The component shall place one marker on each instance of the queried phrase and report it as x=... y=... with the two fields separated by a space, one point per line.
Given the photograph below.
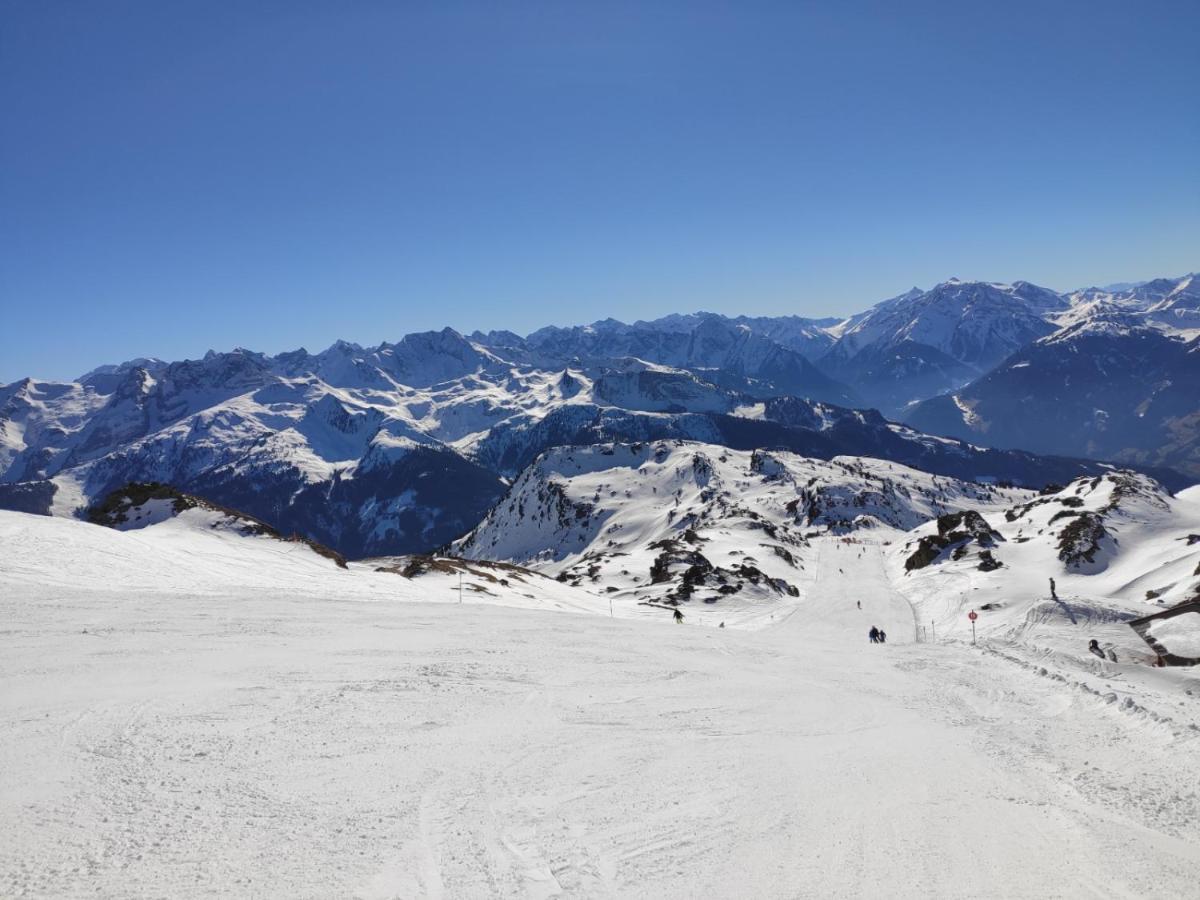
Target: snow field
x=267 y=745
x=187 y=736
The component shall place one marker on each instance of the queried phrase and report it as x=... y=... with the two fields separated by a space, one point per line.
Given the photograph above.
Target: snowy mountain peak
x=149 y=363
x=1082 y=524
x=915 y=346
x=426 y=358
x=340 y=348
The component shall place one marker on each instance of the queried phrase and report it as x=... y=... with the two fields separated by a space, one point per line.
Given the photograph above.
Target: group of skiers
x=877 y=635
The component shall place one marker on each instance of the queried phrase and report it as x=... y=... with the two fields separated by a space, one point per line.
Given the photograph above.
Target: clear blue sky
x=176 y=176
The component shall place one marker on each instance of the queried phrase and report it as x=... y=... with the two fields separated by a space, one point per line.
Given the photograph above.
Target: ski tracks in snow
x=274 y=746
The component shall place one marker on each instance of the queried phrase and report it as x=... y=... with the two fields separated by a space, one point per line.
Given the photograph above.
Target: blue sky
x=178 y=176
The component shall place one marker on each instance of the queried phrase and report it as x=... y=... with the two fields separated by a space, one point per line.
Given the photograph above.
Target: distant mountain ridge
x=404 y=446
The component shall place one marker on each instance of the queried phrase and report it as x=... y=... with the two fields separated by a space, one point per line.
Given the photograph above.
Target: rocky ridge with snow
x=674 y=522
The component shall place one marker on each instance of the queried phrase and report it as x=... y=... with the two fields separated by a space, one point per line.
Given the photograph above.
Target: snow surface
x=188 y=711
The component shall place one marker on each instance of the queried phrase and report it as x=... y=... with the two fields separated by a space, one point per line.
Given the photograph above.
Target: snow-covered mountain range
x=924 y=342
x=404 y=446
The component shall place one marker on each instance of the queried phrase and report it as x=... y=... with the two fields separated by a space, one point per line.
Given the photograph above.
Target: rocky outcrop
x=1081 y=542
x=956 y=532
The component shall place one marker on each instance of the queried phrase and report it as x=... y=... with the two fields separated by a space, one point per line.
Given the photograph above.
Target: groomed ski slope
x=275 y=742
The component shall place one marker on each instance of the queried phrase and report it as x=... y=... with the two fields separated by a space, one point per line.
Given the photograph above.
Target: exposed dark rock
x=1080 y=541
x=987 y=562
x=971 y=523
x=660 y=570
x=956 y=532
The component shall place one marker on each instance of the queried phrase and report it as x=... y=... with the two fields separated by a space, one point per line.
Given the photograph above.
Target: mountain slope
x=1107 y=387
x=1117 y=547
x=673 y=522
x=357 y=467
x=169 y=699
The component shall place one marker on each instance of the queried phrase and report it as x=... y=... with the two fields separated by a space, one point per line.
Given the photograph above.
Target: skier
x=860 y=604
x=679 y=617
x=882 y=636
x=873 y=634
x=1094 y=647
x=1053 y=593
